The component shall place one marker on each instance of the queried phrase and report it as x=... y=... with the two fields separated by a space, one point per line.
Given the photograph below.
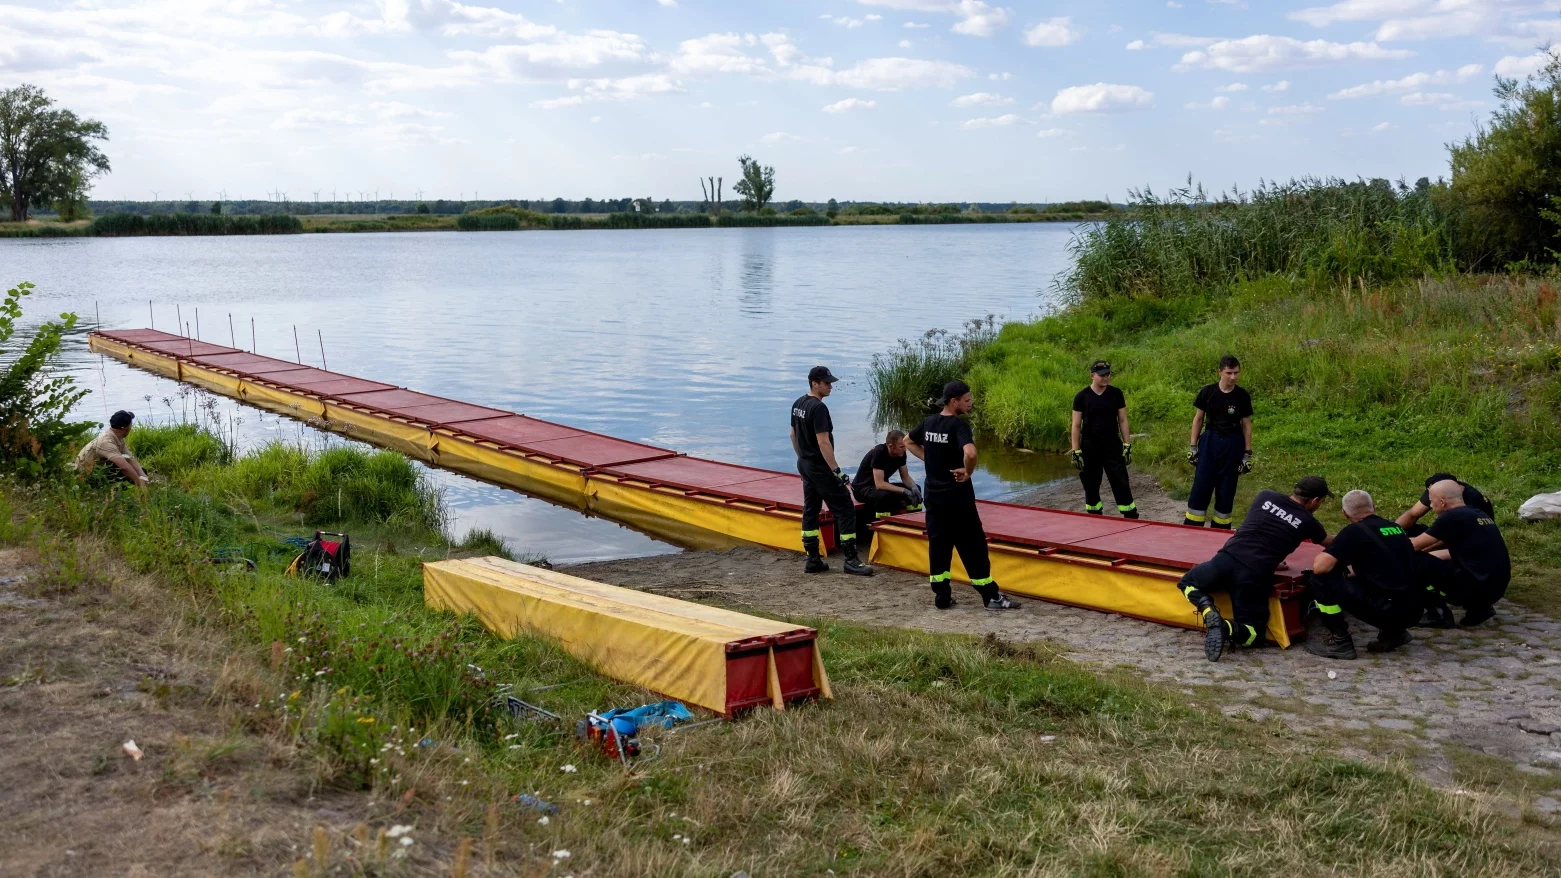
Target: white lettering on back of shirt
x=1287 y=518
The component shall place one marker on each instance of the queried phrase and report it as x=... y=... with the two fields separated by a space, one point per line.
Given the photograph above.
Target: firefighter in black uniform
x=1367 y=571
x=1102 y=443
x=812 y=437
x=1410 y=520
x=881 y=497
x=1464 y=559
x=1244 y=567
x=1223 y=451
x=945 y=443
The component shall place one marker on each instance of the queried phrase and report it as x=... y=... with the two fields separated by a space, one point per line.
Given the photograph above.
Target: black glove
x=1077 y=457
x=912 y=498
x=1246 y=464
x=1192 y=454
x=1127 y=453
x=844 y=479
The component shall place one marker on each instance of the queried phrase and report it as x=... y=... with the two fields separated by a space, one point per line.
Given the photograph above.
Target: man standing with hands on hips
x=1220 y=447
x=945 y=443
x=812 y=437
x=1102 y=443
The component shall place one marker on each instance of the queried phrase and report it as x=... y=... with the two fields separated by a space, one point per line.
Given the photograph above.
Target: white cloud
x=977 y=18
x=1383 y=126
x=1409 y=83
x=905 y=44
x=717 y=54
x=1052 y=33
x=850 y=104
x=980 y=98
x=1136 y=46
x=775 y=137
x=1439 y=100
x=398 y=110
x=1046 y=133
x=1281 y=85
x=1000 y=77
x=889 y=74
x=1265 y=52
x=626 y=88
x=1233 y=87
x=1522 y=66
x=1419 y=19
x=1218 y=103
x=306 y=119
x=668 y=3
x=1101 y=97
x=873 y=17
x=1295 y=110
x=842 y=20
x=1002 y=121
x=917 y=25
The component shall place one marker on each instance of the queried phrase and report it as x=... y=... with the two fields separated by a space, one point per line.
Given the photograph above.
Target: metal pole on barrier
x=253 y=347
x=322 y=350
x=189 y=343
x=231 y=337
x=178 y=318
x=151 y=319
x=197 y=323
x=296 y=349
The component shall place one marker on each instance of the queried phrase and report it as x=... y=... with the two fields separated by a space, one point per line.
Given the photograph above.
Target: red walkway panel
x=390 y=401
x=187 y=347
x=594 y=450
x=516 y=431
x=452 y=414
x=692 y=473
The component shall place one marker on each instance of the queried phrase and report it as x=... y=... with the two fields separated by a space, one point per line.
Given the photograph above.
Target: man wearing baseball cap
x=1244 y=567
x=944 y=442
x=812 y=437
x=107 y=458
x=1102 y=443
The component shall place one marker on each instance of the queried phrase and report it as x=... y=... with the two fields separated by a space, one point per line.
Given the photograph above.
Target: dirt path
x=86 y=665
x=1448 y=702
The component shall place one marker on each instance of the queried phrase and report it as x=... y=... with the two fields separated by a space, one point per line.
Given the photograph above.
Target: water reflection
x=758 y=273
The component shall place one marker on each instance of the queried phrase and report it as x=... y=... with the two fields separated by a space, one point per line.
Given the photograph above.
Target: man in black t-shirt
x=881 y=497
x=812 y=437
x=1220 y=447
x=946 y=445
x=1244 y=567
x=1366 y=571
x=1102 y=443
x=1464 y=559
x=1410 y=520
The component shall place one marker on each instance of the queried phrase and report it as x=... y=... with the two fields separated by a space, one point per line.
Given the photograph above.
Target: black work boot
x=1473 y=616
x=853 y=564
x=1436 y=616
x=1331 y=645
x=1094 y=511
x=942 y=596
x=1387 y=641
x=816 y=562
x=1214 y=634
x=1131 y=515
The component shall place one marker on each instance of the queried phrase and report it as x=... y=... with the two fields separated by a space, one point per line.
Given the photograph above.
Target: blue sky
x=850 y=99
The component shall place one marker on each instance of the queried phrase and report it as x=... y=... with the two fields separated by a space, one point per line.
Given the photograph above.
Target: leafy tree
x=422 y=207
x=46 y=154
x=1507 y=174
x=757 y=185
x=832 y=208
x=216 y=208
x=666 y=206
x=72 y=205
x=35 y=438
x=559 y=206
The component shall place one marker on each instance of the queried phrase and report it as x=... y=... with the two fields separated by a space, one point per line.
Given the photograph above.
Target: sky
x=903 y=100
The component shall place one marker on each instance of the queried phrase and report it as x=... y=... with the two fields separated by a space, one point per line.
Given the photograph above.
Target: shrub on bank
x=130 y=224
x=491 y=222
x=751 y=220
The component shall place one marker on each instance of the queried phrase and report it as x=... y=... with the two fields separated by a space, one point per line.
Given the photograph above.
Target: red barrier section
x=595 y=450
x=516 y=431
x=692 y=473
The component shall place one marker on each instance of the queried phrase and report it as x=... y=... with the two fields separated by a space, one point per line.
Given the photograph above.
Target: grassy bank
x=941 y=754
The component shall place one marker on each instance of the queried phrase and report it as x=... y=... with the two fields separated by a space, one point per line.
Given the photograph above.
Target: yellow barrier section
x=673 y=647
x=1128 y=589
x=560 y=483
x=675 y=512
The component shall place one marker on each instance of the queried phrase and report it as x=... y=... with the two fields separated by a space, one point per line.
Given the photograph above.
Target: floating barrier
x=720 y=660
x=1109 y=564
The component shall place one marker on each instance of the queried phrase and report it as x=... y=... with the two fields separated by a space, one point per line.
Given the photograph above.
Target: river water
x=696 y=340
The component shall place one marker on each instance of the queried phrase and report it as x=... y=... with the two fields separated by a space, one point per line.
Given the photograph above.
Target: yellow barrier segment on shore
x=717 y=659
x=1139 y=591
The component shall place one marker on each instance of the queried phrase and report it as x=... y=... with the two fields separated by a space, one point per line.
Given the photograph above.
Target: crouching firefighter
x=1365 y=572
x=1244 y=567
x=1220 y=447
x=1102 y=444
x=880 y=497
x=812 y=437
x=945 y=443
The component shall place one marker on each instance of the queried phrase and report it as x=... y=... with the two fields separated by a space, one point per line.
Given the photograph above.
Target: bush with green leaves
x=36 y=436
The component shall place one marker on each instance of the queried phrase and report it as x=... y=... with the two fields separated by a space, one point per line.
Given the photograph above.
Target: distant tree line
x=596 y=206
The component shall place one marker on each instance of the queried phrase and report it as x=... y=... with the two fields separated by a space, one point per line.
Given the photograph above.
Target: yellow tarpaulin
x=677 y=648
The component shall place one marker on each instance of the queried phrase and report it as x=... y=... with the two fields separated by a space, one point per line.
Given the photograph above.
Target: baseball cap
x=1312 y=487
x=953 y=390
x=121 y=419
x=1100 y=367
x=821 y=373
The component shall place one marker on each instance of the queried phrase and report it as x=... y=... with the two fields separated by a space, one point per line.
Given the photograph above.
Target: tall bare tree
x=46 y=154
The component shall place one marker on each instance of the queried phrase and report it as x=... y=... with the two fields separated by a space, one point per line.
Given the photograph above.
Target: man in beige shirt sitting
x=107 y=458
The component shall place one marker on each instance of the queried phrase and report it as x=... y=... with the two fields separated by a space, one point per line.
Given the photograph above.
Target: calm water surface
x=690 y=339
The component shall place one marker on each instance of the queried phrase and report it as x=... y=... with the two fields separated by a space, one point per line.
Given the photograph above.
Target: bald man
x=1366 y=573
x=1463 y=559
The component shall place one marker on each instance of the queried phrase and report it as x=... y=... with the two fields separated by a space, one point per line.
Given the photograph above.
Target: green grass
x=940 y=755
x=134 y=225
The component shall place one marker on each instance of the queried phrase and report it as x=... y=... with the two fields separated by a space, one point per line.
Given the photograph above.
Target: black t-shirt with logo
x=1476 y=545
x=1471 y=497
x=1378 y=551
x=1099 y=423
x=1223 y=412
x=809 y=418
x=878 y=458
x=943 y=439
x=1274 y=527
